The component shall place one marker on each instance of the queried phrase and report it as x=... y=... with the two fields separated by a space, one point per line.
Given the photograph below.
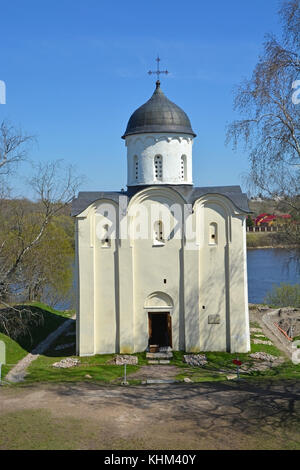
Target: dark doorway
x=160 y=329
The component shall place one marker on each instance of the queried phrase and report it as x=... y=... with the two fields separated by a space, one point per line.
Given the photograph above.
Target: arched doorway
x=159 y=306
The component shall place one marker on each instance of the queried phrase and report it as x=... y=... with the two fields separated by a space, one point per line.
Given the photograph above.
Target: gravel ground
x=186 y=416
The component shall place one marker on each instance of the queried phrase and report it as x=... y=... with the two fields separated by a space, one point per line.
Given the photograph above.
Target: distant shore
x=264 y=240
x=282 y=247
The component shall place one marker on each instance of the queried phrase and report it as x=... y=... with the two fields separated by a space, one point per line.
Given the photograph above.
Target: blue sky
x=76 y=70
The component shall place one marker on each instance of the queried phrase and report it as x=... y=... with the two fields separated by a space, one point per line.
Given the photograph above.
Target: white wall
x=114 y=283
x=170 y=146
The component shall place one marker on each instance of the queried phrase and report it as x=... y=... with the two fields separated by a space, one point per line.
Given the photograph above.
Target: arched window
x=106 y=241
x=158 y=170
x=213 y=234
x=183 y=167
x=158 y=237
x=136 y=167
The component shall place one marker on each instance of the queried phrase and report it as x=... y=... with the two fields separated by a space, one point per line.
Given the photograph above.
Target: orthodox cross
x=158 y=72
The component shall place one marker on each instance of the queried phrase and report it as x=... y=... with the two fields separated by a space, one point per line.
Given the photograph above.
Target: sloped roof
x=189 y=193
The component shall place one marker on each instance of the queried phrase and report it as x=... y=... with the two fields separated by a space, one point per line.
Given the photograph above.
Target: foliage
x=285 y=295
x=262 y=239
x=46 y=269
x=269 y=126
x=36 y=238
x=249 y=221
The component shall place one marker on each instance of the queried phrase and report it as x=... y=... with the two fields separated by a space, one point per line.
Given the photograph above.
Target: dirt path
x=18 y=372
x=186 y=416
x=156 y=372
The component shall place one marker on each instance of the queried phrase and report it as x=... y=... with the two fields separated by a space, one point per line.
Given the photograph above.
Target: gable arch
x=222 y=204
x=168 y=195
x=158 y=300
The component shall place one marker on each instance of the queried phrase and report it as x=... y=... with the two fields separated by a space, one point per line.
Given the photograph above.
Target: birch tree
x=269 y=106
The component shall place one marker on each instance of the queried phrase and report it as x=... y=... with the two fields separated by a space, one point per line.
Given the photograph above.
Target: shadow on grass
x=44 y=321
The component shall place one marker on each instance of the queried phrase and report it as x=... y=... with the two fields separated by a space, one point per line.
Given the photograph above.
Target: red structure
x=268 y=219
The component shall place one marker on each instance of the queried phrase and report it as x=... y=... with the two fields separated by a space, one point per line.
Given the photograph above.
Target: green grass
x=100 y=368
x=18 y=348
x=39 y=429
x=220 y=364
x=41 y=370
x=14 y=353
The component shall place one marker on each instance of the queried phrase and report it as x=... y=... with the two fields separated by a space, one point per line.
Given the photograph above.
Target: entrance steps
x=161 y=361
x=159 y=355
x=162 y=357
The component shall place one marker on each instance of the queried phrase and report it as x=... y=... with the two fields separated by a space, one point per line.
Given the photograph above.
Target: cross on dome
x=157 y=71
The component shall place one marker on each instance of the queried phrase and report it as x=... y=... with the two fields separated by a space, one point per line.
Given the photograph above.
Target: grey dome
x=158 y=114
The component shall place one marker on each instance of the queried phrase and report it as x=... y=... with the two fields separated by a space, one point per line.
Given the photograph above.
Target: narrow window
x=213 y=234
x=158 y=171
x=136 y=167
x=158 y=233
x=106 y=241
x=183 y=167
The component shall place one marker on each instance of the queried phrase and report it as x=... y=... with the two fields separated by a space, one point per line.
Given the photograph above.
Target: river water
x=268 y=267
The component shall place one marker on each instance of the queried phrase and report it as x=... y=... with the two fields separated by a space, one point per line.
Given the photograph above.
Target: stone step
x=159 y=381
x=161 y=361
x=159 y=355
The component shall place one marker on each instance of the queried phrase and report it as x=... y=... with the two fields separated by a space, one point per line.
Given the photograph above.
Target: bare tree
x=12 y=147
x=269 y=126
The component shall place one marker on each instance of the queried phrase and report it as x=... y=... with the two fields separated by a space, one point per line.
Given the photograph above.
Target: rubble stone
x=66 y=363
x=125 y=359
x=261 y=341
x=195 y=359
x=262 y=356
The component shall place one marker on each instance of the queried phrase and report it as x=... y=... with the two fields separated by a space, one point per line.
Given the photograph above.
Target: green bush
x=259 y=239
x=286 y=295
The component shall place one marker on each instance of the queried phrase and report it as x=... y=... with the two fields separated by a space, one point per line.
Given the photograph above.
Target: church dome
x=157 y=115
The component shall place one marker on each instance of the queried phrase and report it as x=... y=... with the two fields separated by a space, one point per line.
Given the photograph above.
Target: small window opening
x=136 y=167
x=158 y=172
x=158 y=233
x=183 y=168
x=106 y=241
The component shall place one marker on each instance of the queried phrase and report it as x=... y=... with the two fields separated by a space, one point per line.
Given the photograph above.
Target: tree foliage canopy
x=270 y=124
x=36 y=237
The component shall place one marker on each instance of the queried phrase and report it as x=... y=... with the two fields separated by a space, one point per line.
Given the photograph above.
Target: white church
x=164 y=262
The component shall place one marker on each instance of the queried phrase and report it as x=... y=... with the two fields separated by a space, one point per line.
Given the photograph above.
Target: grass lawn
x=95 y=367
x=220 y=364
x=38 y=429
x=99 y=368
x=19 y=348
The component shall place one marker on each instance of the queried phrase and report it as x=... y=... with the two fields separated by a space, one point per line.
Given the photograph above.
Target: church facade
x=162 y=263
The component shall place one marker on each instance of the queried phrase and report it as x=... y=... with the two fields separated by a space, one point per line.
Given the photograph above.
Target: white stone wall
x=115 y=283
x=144 y=147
